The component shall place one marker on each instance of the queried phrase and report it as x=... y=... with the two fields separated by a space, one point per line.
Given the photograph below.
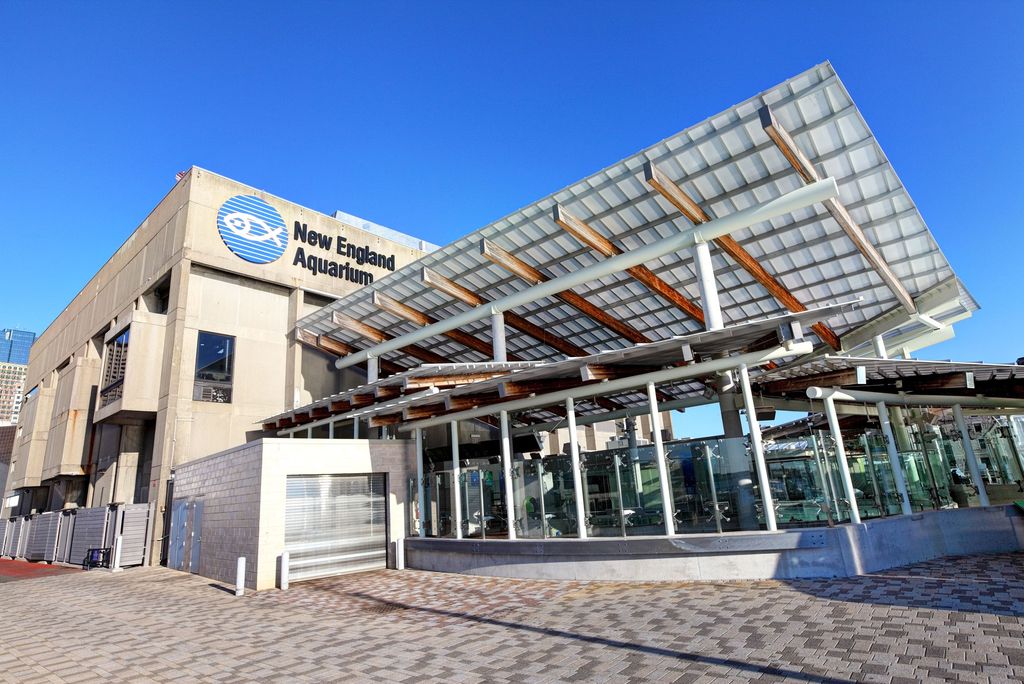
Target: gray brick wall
x=228 y=484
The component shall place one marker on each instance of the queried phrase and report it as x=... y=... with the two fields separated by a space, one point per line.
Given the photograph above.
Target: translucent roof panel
x=726 y=163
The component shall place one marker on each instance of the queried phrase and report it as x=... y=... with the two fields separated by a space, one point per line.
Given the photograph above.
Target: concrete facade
x=244 y=495
x=110 y=409
x=843 y=551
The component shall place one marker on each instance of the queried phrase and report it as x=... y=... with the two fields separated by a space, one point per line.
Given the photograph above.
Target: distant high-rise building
x=12 y=389
x=14 y=345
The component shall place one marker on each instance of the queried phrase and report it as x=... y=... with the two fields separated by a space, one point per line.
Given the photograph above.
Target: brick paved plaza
x=957 y=619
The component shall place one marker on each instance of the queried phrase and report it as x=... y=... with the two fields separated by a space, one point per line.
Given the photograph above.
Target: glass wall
x=804 y=476
x=714 y=483
x=714 y=486
x=622 y=496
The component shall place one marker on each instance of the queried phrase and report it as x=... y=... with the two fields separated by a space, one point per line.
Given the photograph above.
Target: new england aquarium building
x=502 y=405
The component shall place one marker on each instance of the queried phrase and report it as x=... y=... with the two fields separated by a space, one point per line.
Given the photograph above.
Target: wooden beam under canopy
x=421 y=382
x=406 y=312
x=692 y=211
x=329 y=345
x=513 y=264
x=509 y=390
x=377 y=336
x=840 y=378
x=458 y=292
x=599 y=243
x=805 y=169
x=386 y=420
x=939 y=381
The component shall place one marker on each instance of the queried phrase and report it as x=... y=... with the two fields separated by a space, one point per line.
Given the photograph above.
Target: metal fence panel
x=42 y=537
x=90 y=533
x=134 y=534
x=6 y=527
x=67 y=530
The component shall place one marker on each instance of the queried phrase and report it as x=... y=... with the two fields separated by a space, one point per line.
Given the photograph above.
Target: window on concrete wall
x=215 y=358
x=115 y=362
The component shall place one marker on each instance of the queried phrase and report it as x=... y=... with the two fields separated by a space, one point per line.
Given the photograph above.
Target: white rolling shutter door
x=335 y=524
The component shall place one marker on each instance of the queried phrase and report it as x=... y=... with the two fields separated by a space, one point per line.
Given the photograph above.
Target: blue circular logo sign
x=252 y=229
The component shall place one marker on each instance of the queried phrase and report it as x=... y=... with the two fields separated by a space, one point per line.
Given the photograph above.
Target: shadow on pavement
x=681 y=656
x=991 y=584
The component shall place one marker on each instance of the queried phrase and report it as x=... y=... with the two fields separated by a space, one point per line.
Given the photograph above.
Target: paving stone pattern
x=12 y=571
x=955 y=619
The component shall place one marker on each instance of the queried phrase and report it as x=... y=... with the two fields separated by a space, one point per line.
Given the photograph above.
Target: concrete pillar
x=894 y=457
x=972 y=458
x=733 y=452
x=293 y=381
x=420 y=493
x=173 y=423
x=659 y=454
x=578 y=480
x=498 y=336
x=506 y=466
x=708 y=286
x=456 y=479
x=754 y=428
x=844 y=467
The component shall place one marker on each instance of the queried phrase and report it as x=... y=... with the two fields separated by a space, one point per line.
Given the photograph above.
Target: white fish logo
x=242 y=225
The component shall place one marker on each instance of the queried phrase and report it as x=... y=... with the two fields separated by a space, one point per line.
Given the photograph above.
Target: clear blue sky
x=437 y=118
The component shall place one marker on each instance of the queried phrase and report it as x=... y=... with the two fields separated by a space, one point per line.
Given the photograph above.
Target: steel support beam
x=420 y=489
x=844 y=467
x=972 y=458
x=638 y=410
x=406 y=312
x=514 y=320
x=513 y=264
x=644 y=275
x=894 y=457
x=696 y=215
x=780 y=206
x=704 y=369
x=942 y=400
x=456 y=479
x=498 y=336
x=506 y=467
x=664 y=481
x=754 y=430
x=578 y=477
x=708 y=287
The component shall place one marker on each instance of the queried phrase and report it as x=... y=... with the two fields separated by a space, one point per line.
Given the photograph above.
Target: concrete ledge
x=842 y=551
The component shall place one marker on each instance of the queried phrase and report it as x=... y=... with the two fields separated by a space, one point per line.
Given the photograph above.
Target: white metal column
x=457 y=479
x=420 y=508
x=506 y=465
x=372 y=369
x=659 y=454
x=498 y=336
x=577 y=472
x=894 y=457
x=708 y=287
x=878 y=342
x=972 y=458
x=754 y=430
x=844 y=467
